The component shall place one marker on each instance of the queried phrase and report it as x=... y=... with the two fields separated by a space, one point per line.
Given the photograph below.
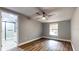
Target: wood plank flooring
x=44 y=44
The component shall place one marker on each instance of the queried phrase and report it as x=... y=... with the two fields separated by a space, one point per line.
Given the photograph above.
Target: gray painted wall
x=46 y=31
x=63 y=31
x=28 y=29
x=0 y=31
x=75 y=30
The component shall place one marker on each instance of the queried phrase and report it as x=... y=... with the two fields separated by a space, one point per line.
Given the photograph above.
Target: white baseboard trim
x=42 y=37
x=29 y=41
x=57 y=39
x=73 y=46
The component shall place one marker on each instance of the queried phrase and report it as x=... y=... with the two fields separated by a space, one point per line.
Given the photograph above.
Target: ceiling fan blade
x=38 y=13
x=49 y=15
x=40 y=9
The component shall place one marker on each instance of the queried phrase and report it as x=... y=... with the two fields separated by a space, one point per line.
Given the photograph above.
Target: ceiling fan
x=42 y=13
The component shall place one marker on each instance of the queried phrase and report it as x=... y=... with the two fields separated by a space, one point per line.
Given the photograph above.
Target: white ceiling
x=59 y=13
x=28 y=11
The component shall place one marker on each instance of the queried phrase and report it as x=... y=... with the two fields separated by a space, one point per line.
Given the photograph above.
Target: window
x=53 y=29
x=9 y=30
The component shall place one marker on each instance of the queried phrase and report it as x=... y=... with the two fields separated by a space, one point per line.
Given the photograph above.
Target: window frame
x=53 y=29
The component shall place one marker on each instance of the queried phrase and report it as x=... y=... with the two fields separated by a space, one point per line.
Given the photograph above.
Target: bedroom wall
x=0 y=31
x=75 y=30
x=63 y=30
x=29 y=29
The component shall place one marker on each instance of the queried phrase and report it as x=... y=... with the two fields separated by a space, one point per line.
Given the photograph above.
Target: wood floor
x=44 y=44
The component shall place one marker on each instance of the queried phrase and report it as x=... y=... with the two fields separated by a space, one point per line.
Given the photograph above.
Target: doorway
x=9 y=31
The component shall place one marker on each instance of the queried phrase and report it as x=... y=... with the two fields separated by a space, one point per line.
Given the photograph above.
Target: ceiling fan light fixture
x=43 y=18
